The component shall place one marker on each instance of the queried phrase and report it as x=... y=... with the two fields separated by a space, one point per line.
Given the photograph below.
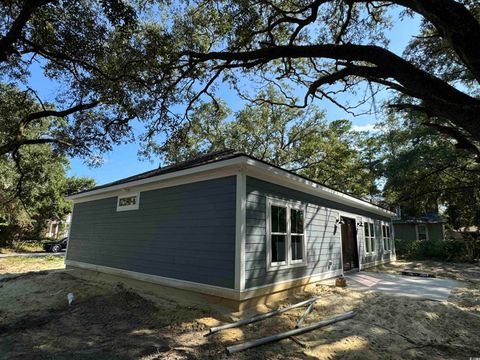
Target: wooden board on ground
x=417 y=273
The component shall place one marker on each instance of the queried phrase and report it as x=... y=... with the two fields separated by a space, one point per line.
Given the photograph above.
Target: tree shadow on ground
x=111 y=322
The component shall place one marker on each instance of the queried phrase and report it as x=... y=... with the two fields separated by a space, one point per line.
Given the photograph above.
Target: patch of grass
x=18 y=264
x=23 y=247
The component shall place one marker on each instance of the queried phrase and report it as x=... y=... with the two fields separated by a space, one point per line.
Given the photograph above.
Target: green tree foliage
x=42 y=193
x=295 y=139
x=103 y=63
x=115 y=61
x=424 y=173
x=33 y=179
x=330 y=47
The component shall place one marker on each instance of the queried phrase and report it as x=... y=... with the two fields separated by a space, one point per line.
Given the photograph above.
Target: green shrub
x=444 y=250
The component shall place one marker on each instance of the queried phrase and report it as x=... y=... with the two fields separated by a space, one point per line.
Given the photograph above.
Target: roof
x=419 y=221
x=208 y=159
x=183 y=165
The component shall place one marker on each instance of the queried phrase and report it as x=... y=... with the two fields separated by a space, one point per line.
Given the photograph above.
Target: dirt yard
x=111 y=322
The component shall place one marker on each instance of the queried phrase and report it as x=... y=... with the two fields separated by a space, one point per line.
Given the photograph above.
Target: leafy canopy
x=424 y=173
x=295 y=139
x=153 y=61
x=33 y=181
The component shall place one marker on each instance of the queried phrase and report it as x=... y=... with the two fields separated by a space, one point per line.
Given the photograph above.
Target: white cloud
x=366 y=127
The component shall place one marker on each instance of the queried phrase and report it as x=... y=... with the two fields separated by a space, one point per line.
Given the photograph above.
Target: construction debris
x=305 y=314
x=260 y=317
x=417 y=273
x=268 y=339
x=340 y=282
x=70 y=298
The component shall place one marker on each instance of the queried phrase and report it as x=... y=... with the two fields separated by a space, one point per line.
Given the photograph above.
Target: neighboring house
x=430 y=227
x=228 y=225
x=57 y=229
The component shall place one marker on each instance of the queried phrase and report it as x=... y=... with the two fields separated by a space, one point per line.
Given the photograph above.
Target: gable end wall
x=184 y=232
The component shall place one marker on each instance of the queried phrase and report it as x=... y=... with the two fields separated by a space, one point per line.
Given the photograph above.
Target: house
x=228 y=226
x=57 y=229
x=429 y=227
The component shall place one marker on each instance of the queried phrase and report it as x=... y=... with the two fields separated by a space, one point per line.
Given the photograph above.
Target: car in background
x=55 y=246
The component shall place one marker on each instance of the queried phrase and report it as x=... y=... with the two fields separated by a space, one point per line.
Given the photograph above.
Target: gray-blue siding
x=323 y=240
x=184 y=232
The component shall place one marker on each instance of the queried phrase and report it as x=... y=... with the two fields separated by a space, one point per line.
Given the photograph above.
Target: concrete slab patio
x=400 y=285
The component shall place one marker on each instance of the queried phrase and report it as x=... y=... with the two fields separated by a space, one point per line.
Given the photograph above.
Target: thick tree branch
x=463 y=142
x=60 y=113
x=8 y=41
x=438 y=98
x=456 y=24
x=19 y=140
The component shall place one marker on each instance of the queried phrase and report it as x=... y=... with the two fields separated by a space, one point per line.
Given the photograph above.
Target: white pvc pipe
x=268 y=339
x=260 y=317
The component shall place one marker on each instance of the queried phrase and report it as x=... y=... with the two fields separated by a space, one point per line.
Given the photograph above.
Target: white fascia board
x=159 y=178
x=288 y=179
x=254 y=168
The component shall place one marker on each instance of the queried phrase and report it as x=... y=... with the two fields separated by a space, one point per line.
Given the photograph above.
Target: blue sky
x=123 y=161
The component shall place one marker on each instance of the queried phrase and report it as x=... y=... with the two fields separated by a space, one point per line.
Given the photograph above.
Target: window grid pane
x=279 y=219
x=278 y=248
x=296 y=221
x=297 y=247
x=367 y=237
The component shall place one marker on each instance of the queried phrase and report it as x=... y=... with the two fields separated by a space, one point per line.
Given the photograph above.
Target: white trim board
x=252 y=167
x=284 y=178
x=219 y=291
x=135 y=186
x=240 y=230
x=156 y=279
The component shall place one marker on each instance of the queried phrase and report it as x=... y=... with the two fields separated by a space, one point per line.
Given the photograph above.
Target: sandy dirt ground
x=108 y=321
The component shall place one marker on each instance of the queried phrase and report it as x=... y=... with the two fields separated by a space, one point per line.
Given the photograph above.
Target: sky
x=123 y=160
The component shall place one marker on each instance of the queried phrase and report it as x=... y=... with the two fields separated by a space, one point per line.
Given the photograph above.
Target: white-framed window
x=369 y=232
x=422 y=232
x=286 y=239
x=128 y=202
x=387 y=241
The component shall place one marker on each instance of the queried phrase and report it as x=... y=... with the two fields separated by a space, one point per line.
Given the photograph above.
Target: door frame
x=355 y=218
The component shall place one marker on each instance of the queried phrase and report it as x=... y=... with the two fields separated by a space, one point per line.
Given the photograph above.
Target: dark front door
x=349 y=244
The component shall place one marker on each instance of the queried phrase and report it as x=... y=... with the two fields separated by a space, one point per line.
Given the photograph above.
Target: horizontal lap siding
x=323 y=239
x=185 y=232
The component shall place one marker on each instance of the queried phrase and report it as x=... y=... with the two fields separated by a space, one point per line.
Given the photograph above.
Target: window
x=286 y=245
x=128 y=202
x=422 y=232
x=387 y=246
x=369 y=232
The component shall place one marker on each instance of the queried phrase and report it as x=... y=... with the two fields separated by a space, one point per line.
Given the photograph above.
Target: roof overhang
x=251 y=167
